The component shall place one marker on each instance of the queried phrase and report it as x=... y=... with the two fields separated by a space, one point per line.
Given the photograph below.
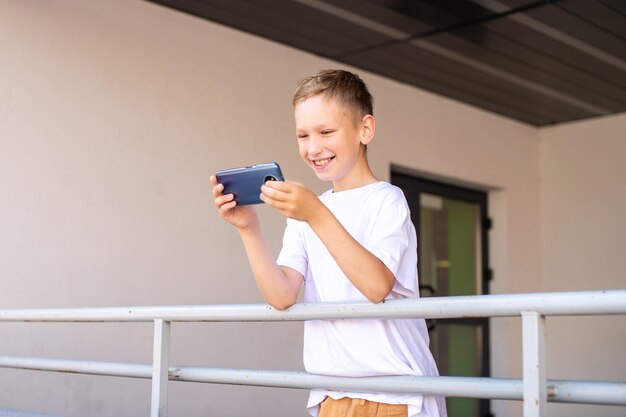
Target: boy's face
x=330 y=142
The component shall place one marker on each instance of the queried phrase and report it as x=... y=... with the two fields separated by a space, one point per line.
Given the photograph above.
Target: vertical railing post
x=160 y=368
x=534 y=352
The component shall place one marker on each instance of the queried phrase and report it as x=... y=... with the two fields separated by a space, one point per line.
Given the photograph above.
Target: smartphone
x=245 y=182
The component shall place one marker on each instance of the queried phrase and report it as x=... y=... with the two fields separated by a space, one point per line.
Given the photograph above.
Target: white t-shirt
x=377 y=216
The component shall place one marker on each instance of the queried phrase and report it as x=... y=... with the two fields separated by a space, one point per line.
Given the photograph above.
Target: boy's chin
x=323 y=176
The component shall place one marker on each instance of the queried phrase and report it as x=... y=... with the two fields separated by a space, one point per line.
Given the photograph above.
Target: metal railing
x=534 y=389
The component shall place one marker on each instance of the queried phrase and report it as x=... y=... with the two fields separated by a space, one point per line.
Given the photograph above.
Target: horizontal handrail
x=534 y=388
x=505 y=305
x=588 y=392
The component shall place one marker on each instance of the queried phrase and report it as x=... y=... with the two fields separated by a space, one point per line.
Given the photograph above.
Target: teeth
x=321 y=162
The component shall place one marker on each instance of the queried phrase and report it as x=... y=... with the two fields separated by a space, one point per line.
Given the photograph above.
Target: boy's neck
x=360 y=177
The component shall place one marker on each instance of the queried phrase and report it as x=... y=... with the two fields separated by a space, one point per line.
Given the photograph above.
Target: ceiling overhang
x=539 y=62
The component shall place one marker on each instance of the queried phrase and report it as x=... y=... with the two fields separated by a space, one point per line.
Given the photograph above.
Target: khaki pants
x=356 y=407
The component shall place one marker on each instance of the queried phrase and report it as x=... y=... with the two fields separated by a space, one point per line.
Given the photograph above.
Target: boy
x=355 y=242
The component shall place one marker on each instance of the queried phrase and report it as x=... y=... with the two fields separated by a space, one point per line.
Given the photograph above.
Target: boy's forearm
x=366 y=272
x=277 y=289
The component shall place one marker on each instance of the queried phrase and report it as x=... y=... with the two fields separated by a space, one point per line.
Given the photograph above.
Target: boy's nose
x=315 y=147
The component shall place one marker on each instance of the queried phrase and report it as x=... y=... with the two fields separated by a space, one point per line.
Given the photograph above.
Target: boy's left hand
x=291 y=199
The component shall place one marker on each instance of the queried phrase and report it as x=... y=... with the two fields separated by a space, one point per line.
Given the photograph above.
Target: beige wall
x=112 y=116
x=583 y=207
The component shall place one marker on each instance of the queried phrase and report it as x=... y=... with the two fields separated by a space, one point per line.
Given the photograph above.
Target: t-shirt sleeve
x=293 y=253
x=392 y=240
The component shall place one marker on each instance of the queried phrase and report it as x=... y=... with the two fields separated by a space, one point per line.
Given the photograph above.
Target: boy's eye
x=327 y=132
x=302 y=137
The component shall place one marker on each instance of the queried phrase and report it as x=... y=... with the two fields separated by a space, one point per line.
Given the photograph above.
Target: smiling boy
x=355 y=242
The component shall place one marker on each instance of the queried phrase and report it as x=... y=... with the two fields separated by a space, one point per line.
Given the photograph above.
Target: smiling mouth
x=319 y=163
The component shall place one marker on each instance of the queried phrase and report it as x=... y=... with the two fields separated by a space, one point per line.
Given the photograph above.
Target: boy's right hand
x=242 y=217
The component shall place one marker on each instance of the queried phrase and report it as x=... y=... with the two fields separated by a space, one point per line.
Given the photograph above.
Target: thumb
x=295 y=183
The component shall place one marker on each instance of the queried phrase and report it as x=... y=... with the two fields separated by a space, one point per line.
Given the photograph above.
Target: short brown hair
x=347 y=88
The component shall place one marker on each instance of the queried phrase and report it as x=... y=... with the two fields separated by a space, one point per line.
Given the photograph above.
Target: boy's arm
x=366 y=272
x=279 y=285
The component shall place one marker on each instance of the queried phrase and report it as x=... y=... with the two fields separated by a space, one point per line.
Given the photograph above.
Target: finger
x=224 y=208
x=213 y=180
x=278 y=185
x=223 y=199
x=273 y=202
x=294 y=183
x=273 y=193
x=217 y=190
x=270 y=199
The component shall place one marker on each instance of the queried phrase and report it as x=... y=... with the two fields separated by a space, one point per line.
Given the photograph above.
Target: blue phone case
x=245 y=182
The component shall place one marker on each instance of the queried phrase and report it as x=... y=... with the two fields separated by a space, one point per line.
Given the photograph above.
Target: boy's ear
x=368 y=129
